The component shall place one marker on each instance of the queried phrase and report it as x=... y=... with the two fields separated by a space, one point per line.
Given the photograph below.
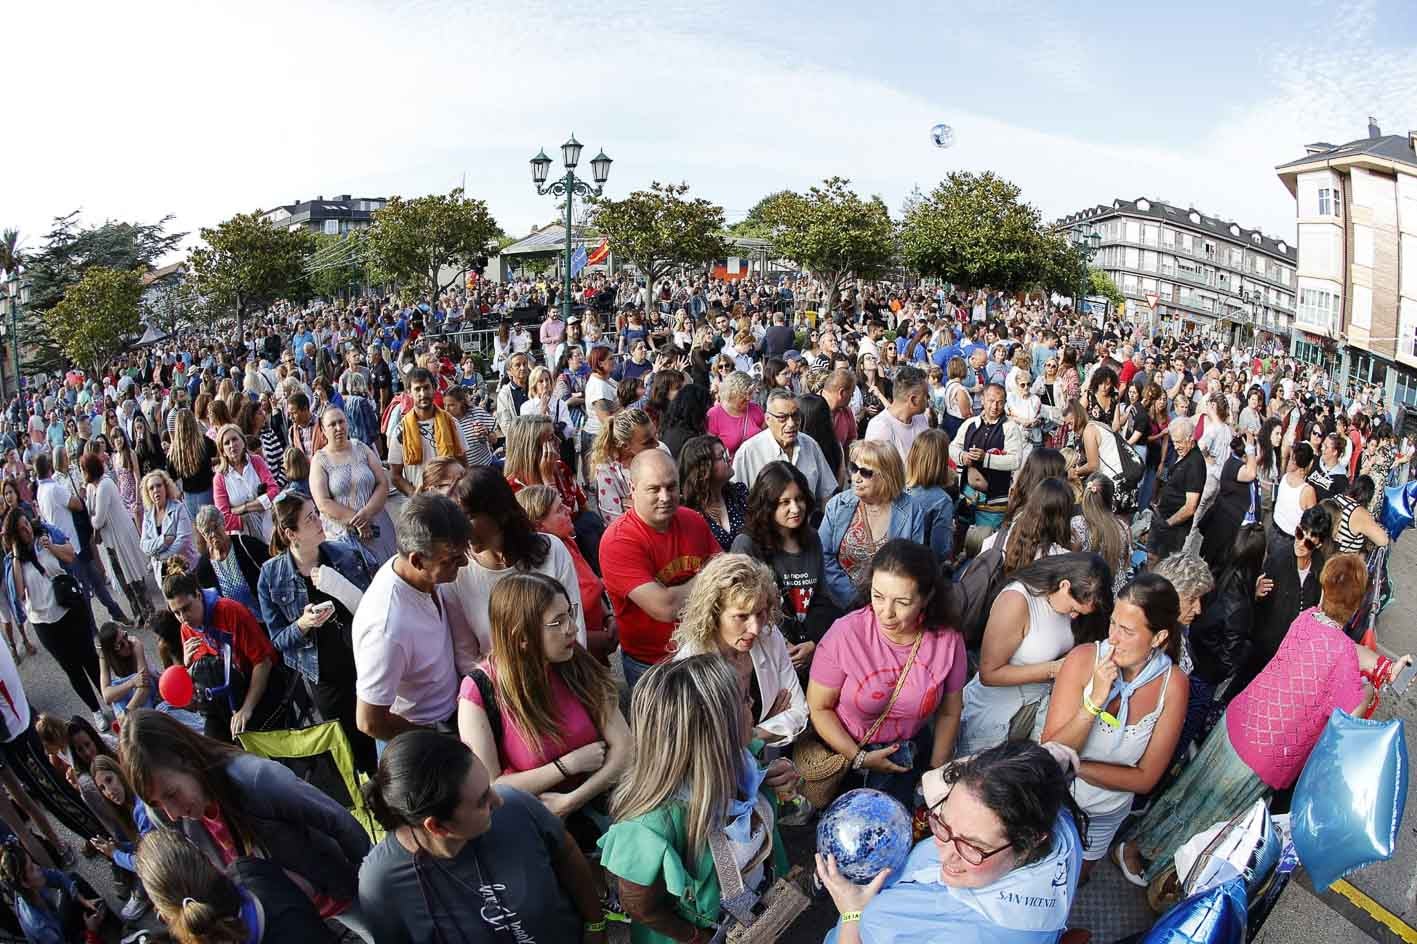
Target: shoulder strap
x=895 y=692
x=489 y=701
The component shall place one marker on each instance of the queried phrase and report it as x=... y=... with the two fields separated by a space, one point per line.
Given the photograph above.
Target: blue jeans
x=634 y=669
x=1146 y=489
x=196 y=501
x=94 y=582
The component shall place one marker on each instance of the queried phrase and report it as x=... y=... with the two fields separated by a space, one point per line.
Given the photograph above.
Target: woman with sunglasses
x=1001 y=865
x=859 y=522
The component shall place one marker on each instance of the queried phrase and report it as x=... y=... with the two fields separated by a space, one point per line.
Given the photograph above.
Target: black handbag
x=67 y=592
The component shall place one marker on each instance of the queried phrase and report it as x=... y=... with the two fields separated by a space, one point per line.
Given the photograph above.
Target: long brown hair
x=151 y=741
x=187 y=451
x=1044 y=520
x=520 y=668
x=124 y=812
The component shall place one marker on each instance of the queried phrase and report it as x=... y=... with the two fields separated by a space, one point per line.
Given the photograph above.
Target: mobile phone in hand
x=1399 y=685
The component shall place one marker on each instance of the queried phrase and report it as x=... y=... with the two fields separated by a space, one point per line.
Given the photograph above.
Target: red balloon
x=175 y=686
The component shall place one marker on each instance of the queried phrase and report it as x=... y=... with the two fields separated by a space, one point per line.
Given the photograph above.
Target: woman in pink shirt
x=735 y=419
x=1271 y=727
x=907 y=626
x=541 y=713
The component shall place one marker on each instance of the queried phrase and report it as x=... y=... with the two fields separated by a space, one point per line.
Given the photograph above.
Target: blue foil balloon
x=1348 y=802
x=1214 y=916
x=1399 y=502
x=867 y=831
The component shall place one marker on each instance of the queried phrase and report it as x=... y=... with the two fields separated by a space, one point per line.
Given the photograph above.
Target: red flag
x=598 y=254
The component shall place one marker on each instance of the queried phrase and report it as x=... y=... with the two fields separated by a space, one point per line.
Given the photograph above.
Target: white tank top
x=1286 y=505
x=1050 y=633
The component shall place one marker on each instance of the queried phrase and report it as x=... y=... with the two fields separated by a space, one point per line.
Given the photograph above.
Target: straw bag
x=822 y=769
x=752 y=918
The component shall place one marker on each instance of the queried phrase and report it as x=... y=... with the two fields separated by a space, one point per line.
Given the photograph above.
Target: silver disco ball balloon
x=943 y=135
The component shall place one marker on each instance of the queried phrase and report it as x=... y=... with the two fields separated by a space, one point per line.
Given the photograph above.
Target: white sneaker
x=135 y=907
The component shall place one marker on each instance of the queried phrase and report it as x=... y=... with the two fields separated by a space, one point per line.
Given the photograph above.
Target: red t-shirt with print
x=633 y=554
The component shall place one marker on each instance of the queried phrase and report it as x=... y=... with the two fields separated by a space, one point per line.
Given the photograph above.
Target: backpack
x=1127 y=479
x=978 y=583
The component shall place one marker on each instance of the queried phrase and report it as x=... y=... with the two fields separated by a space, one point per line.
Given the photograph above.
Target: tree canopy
x=247 y=264
x=831 y=232
x=975 y=231
x=97 y=316
x=659 y=229
x=69 y=251
x=339 y=263
x=1100 y=283
x=413 y=241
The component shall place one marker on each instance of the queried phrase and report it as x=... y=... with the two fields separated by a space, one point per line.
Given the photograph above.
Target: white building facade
x=1356 y=207
x=1184 y=271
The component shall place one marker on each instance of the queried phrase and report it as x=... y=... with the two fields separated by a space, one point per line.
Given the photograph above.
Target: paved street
x=1107 y=905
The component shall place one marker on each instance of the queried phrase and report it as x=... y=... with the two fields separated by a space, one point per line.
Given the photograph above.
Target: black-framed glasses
x=860 y=470
x=793 y=417
x=966 y=849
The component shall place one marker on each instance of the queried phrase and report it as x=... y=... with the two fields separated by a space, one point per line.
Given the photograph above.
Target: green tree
x=10 y=256
x=658 y=230
x=755 y=225
x=98 y=316
x=247 y=264
x=974 y=231
x=339 y=263
x=70 y=249
x=1100 y=283
x=413 y=241
x=832 y=233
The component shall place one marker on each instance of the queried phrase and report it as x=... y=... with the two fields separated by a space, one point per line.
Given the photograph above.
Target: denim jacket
x=907 y=521
x=282 y=597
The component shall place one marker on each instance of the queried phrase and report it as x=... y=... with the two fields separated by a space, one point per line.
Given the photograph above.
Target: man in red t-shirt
x=649 y=557
x=209 y=621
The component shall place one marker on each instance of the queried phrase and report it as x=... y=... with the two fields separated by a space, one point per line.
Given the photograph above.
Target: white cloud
x=205 y=109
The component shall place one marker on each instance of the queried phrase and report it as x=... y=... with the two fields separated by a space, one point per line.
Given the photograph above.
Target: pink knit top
x=1276 y=721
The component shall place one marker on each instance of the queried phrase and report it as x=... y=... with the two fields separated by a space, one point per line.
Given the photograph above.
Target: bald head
x=654 y=488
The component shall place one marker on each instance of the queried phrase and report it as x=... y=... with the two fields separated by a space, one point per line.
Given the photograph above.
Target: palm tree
x=10 y=256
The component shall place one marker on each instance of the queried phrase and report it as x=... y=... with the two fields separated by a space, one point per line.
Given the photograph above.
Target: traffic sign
x=1151 y=299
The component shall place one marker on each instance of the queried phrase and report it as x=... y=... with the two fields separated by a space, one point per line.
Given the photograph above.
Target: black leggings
x=26 y=757
x=70 y=642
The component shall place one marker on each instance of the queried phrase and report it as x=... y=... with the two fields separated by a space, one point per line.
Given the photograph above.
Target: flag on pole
x=598 y=254
x=578 y=261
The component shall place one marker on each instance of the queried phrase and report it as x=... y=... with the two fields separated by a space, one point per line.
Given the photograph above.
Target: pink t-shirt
x=1276 y=721
x=733 y=431
x=577 y=728
x=857 y=659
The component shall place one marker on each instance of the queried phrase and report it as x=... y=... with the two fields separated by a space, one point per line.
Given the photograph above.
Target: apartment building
x=1184 y=271
x=1356 y=207
x=333 y=217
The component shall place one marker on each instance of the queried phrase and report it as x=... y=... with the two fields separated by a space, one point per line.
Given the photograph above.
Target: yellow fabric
x=326 y=738
x=445 y=436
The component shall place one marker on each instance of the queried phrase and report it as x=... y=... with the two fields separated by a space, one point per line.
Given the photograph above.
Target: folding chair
x=320 y=755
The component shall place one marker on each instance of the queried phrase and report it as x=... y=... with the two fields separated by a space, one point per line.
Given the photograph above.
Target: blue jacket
x=42 y=925
x=282 y=597
x=907 y=521
x=939 y=511
x=123 y=856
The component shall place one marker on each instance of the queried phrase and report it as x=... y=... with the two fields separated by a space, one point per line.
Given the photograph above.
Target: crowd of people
x=602 y=605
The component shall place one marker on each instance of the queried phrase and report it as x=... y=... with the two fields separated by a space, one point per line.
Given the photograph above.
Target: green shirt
x=646 y=849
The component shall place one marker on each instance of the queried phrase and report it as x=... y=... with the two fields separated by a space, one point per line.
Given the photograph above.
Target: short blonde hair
x=735 y=386
x=537 y=373
x=929 y=461
x=726 y=580
x=173 y=492
x=884 y=458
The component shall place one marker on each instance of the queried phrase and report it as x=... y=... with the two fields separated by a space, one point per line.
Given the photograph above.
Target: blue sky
x=204 y=109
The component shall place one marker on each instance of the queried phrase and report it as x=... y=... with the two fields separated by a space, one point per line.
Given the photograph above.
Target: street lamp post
x=568 y=186
x=13 y=290
x=1087 y=242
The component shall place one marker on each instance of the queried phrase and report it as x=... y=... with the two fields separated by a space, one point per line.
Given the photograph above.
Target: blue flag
x=578 y=261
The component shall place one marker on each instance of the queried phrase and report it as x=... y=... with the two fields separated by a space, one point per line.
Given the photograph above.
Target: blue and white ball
x=867 y=831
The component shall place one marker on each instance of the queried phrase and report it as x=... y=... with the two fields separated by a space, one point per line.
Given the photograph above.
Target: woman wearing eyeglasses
x=858 y=522
x=1001 y=865
x=540 y=712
